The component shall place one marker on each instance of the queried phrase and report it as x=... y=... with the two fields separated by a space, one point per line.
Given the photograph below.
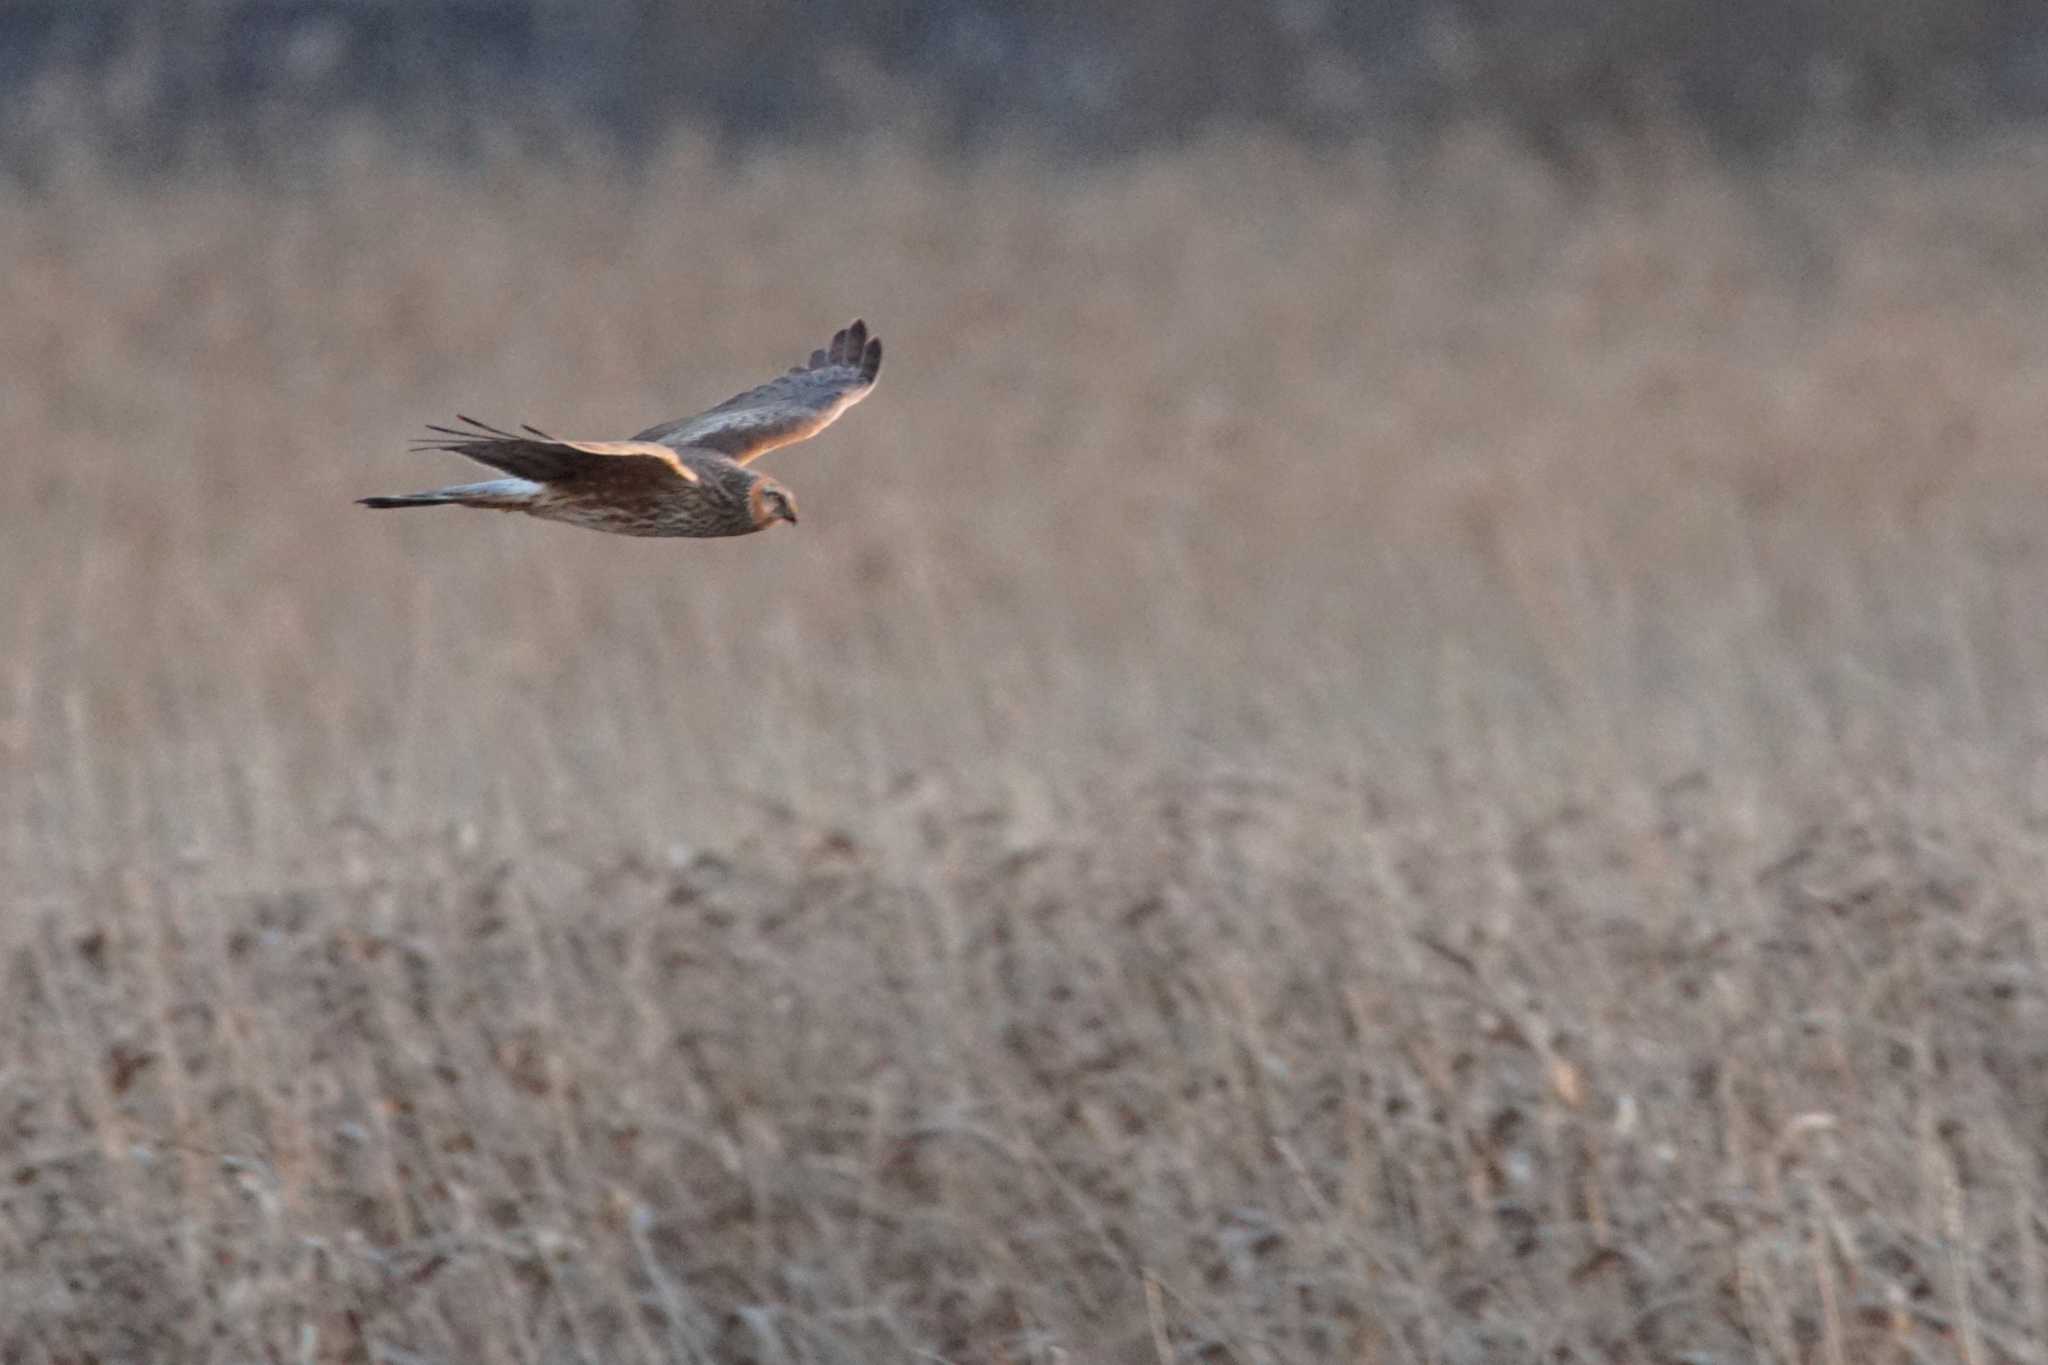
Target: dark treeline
x=144 y=81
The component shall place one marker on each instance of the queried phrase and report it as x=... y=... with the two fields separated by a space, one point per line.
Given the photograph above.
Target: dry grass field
x=1351 y=763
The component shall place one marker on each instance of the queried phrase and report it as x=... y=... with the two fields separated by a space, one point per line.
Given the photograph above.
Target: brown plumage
x=683 y=478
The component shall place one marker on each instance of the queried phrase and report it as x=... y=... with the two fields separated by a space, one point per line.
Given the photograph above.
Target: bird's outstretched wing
x=790 y=408
x=546 y=459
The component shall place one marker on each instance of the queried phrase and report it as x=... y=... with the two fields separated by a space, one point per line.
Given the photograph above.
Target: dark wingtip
x=871 y=359
x=379 y=502
x=485 y=428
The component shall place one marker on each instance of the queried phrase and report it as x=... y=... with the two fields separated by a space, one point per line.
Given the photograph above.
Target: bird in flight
x=688 y=477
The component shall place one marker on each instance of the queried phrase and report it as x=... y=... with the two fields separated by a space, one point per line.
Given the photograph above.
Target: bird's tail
x=508 y=495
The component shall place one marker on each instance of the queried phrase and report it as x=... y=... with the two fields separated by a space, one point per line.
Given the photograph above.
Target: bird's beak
x=790 y=515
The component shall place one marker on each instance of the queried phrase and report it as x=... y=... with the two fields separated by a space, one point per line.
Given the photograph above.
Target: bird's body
x=682 y=478
x=717 y=504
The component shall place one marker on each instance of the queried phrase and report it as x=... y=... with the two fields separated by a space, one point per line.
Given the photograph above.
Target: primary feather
x=787 y=409
x=543 y=457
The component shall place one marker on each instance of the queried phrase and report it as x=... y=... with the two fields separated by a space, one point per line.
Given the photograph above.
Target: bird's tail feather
x=406 y=500
x=505 y=494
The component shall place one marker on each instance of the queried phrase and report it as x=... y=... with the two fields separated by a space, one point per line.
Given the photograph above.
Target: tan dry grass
x=1346 y=765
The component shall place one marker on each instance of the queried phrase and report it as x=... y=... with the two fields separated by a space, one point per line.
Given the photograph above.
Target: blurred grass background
x=156 y=80
x=1401 y=752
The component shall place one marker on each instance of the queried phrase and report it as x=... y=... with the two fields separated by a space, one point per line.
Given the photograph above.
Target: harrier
x=683 y=478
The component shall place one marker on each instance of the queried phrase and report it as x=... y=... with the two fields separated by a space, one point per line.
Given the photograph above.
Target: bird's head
x=770 y=502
